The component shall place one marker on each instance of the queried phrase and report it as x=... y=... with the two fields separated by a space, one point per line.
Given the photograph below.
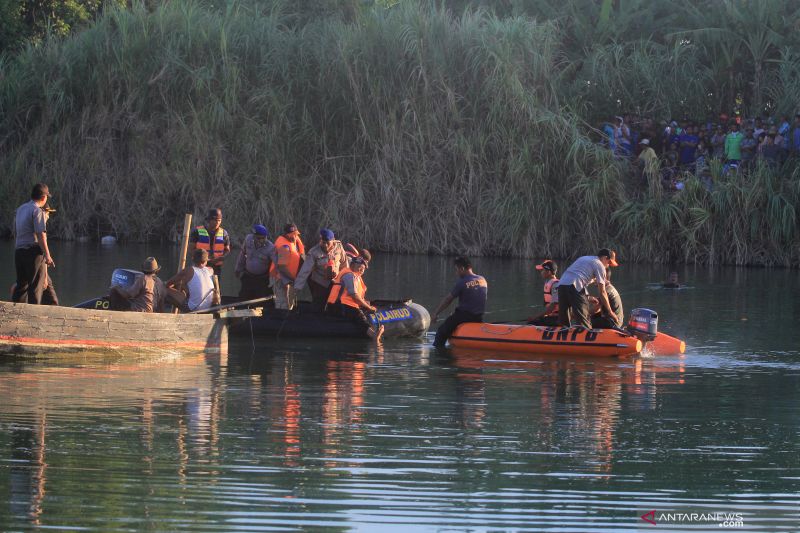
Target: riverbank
x=412 y=130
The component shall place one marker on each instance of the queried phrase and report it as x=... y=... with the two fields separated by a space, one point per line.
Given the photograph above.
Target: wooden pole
x=187 y=228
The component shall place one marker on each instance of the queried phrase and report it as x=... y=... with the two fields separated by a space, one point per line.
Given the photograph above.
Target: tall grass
x=412 y=130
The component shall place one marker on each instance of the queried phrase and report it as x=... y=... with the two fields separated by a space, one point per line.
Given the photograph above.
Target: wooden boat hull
x=545 y=341
x=42 y=329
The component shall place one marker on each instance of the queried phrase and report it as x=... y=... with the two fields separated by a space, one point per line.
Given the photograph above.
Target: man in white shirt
x=573 y=297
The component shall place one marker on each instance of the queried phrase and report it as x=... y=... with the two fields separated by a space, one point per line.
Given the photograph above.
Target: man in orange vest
x=288 y=257
x=212 y=238
x=549 y=317
x=347 y=297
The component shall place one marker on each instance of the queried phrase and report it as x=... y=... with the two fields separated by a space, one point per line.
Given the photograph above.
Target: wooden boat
x=545 y=340
x=401 y=318
x=40 y=329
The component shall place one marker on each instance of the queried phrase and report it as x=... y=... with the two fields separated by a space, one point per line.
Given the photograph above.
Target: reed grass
x=412 y=130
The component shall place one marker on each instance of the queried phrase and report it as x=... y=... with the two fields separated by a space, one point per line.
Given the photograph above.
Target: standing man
x=471 y=290
x=733 y=145
x=212 y=238
x=322 y=265
x=253 y=264
x=573 y=298
x=32 y=254
x=287 y=258
x=549 y=317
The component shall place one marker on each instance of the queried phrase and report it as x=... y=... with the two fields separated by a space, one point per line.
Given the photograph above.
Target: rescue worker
x=212 y=238
x=348 y=297
x=286 y=261
x=32 y=253
x=549 y=317
x=601 y=319
x=253 y=264
x=198 y=280
x=471 y=291
x=323 y=263
x=145 y=295
x=573 y=297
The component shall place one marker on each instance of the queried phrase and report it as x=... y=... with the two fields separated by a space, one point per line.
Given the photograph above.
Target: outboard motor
x=643 y=324
x=124 y=277
x=120 y=276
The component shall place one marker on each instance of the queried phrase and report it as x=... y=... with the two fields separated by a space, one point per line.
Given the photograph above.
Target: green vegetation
x=411 y=128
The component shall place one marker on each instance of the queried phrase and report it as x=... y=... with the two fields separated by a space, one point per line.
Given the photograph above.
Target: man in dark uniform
x=32 y=254
x=471 y=290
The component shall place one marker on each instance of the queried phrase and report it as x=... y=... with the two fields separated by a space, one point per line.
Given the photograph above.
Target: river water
x=350 y=436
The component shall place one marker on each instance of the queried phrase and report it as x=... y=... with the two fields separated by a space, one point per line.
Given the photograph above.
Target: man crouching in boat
x=471 y=290
x=146 y=295
x=347 y=297
x=600 y=318
x=198 y=280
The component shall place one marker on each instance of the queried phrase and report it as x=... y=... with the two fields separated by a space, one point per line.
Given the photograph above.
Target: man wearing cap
x=573 y=297
x=252 y=266
x=348 y=297
x=212 y=238
x=32 y=253
x=146 y=295
x=287 y=258
x=548 y=270
x=323 y=263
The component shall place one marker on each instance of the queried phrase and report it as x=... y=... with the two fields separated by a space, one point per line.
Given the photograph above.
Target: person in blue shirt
x=471 y=290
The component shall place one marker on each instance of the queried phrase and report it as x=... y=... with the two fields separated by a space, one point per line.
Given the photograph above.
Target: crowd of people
x=665 y=153
x=334 y=272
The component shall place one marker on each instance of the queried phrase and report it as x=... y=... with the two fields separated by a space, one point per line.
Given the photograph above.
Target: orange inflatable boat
x=664 y=344
x=543 y=340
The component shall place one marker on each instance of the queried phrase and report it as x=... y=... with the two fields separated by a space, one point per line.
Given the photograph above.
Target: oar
x=231 y=305
x=187 y=228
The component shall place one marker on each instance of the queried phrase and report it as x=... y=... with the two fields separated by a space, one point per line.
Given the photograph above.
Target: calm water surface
x=349 y=436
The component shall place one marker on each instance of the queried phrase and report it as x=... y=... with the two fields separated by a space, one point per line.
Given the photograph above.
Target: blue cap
x=326 y=234
x=258 y=229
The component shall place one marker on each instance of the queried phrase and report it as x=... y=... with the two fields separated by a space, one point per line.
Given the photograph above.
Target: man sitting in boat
x=323 y=263
x=471 y=290
x=145 y=295
x=252 y=266
x=198 y=281
x=549 y=317
x=601 y=319
x=347 y=297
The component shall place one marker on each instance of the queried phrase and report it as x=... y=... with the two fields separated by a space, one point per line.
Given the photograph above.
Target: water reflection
x=362 y=435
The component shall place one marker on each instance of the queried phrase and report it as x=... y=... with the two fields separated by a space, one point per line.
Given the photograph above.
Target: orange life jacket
x=204 y=241
x=296 y=250
x=548 y=292
x=339 y=294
